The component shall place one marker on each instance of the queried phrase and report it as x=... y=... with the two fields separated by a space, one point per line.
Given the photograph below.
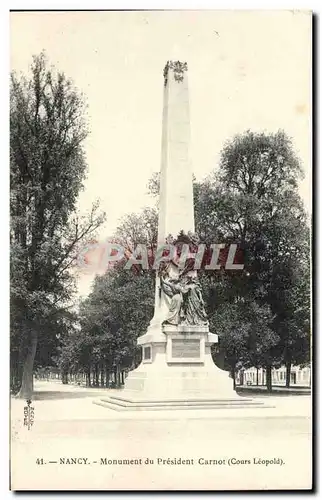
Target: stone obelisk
x=176 y=209
x=177 y=368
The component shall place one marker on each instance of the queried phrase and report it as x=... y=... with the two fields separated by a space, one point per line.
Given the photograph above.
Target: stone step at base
x=124 y=405
x=181 y=402
x=129 y=399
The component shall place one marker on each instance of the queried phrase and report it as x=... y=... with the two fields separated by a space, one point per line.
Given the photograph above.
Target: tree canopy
x=47 y=171
x=253 y=200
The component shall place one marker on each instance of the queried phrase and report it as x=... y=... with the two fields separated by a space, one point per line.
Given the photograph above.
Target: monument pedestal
x=178 y=365
x=177 y=371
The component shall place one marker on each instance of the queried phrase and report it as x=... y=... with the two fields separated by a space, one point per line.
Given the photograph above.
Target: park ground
x=242 y=445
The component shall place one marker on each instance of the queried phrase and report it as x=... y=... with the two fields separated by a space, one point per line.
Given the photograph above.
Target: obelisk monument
x=177 y=368
x=176 y=209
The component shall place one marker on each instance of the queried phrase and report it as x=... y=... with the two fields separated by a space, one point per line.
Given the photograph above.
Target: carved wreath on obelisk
x=183 y=293
x=178 y=70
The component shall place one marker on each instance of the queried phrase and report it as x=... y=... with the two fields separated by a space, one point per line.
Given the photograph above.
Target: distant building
x=253 y=376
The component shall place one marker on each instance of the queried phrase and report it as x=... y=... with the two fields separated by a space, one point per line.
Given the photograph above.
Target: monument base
x=177 y=372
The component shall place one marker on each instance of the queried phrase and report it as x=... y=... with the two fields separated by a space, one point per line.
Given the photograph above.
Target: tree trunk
x=102 y=376
x=88 y=376
x=107 y=375
x=233 y=376
x=269 y=378
x=17 y=361
x=27 y=383
x=64 y=377
x=257 y=376
x=15 y=373
x=118 y=376
x=97 y=381
x=288 y=374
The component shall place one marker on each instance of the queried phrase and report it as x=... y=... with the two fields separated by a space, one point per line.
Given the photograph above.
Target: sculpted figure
x=194 y=306
x=173 y=289
x=186 y=304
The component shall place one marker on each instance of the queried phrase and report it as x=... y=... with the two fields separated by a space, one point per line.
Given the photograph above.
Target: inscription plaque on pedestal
x=181 y=349
x=185 y=348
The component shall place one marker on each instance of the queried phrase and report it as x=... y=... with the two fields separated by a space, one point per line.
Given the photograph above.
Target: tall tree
x=47 y=167
x=253 y=201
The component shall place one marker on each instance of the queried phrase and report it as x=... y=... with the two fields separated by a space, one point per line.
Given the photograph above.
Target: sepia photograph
x=160 y=250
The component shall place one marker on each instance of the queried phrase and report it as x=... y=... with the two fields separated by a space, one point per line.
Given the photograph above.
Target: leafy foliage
x=119 y=306
x=47 y=170
x=253 y=201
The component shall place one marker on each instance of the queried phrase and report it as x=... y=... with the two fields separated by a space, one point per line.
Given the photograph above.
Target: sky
x=247 y=70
